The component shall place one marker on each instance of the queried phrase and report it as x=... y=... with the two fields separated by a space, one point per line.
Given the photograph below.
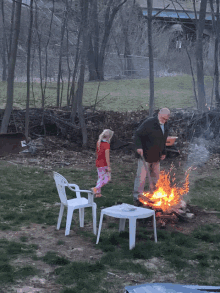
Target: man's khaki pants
x=141 y=175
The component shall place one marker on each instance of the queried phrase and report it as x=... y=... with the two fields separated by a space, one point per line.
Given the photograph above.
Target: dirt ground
x=75 y=248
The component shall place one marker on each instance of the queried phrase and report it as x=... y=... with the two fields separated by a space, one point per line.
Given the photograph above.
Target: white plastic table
x=132 y=213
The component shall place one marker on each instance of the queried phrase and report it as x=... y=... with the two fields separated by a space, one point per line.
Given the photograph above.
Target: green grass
x=121 y=95
x=10 y=250
x=26 y=194
x=52 y=258
x=206 y=192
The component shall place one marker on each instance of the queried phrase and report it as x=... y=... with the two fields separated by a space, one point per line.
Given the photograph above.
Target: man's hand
x=140 y=152
x=163 y=157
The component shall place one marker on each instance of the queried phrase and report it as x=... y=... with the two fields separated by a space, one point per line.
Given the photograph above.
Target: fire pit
x=167 y=199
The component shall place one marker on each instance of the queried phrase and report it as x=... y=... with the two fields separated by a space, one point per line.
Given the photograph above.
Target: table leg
x=122 y=225
x=155 y=228
x=100 y=227
x=132 y=233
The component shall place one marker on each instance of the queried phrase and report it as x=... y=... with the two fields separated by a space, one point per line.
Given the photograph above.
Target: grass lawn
x=120 y=95
x=28 y=195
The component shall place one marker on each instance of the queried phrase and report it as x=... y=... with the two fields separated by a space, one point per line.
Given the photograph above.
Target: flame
x=165 y=196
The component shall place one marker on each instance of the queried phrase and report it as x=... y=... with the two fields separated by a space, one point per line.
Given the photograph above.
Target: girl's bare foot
x=98 y=195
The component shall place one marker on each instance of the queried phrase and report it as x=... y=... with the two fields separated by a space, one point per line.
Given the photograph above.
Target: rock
x=190 y=215
x=77 y=249
x=150 y=266
x=28 y=289
x=39 y=254
x=38 y=280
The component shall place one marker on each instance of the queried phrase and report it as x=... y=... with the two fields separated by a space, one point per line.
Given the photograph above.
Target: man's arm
x=107 y=156
x=141 y=131
x=164 y=152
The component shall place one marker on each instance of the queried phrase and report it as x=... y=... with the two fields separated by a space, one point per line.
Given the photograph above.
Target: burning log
x=165 y=196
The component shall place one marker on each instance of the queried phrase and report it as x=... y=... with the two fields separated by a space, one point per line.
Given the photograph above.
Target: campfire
x=167 y=198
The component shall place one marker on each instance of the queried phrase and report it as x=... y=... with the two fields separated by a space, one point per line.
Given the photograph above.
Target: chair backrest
x=61 y=183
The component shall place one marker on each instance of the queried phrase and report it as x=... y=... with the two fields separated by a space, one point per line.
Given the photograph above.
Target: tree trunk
x=46 y=49
x=40 y=57
x=60 y=55
x=11 y=68
x=73 y=97
x=28 y=70
x=79 y=92
x=4 y=45
x=4 y=63
x=93 y=51
x=215 y=26
x=151 y=58
x=199 y=57
x=11 y=28
x=129 y=67
x=96 y=53
x=67 y=61
x=217 y=57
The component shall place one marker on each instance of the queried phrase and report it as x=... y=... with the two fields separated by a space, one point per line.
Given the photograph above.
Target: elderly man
x=150 y=143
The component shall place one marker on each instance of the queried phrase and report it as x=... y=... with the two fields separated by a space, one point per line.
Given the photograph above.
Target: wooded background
x=73 y=41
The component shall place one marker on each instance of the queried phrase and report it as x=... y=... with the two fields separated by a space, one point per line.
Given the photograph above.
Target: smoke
x=198 y=152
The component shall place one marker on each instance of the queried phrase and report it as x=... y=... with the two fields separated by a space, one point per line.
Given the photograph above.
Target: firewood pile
x=184 y=123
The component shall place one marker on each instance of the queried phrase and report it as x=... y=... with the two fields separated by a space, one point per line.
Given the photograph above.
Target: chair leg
x=122 y=224
x=60 y=216
x=132 y=233
x=100 y=227
x=81 y=217
x=155 y=228
x=94 y=217
x=69 y=220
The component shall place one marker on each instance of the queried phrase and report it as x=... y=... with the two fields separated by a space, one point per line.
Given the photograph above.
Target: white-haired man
x=150 y=144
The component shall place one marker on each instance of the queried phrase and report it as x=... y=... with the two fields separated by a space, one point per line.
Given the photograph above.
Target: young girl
x=103 y=161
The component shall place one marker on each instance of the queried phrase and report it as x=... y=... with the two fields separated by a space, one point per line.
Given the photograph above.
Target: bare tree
x=11 y=67
x=129 y=66
x=79 y=93
x=29 y=40
x=150 y=19
x=97 y=46
x=215 y=26
x=63 y=27
x=4 y=44
x=39 y=55
x=151 y=57
x=73 y=97
x=199 y=56
x=43 y=84
x=11 y=28
x=68 y=65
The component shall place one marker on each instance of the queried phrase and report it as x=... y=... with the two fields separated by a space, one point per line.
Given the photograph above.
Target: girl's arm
x=107 y=156
x=96 y=153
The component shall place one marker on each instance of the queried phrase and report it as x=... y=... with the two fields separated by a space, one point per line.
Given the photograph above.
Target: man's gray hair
x=164 y=111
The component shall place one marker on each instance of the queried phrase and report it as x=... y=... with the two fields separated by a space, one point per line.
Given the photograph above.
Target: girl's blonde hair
x=106 y=134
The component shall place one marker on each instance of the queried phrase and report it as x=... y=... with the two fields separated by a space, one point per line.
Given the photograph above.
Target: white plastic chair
x=73 y=204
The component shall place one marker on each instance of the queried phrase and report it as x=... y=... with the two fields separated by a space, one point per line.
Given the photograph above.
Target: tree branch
x=186 y=11
x=21 y=3
x=121 y=4
x=160 y=11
